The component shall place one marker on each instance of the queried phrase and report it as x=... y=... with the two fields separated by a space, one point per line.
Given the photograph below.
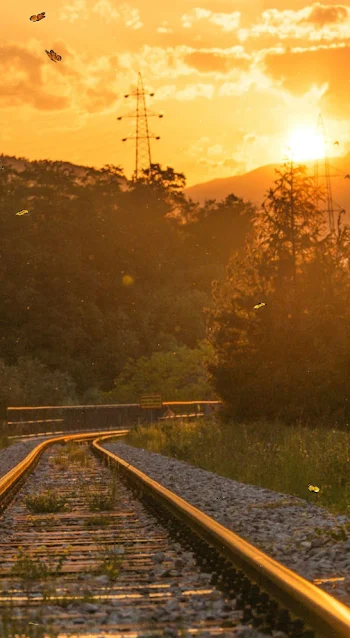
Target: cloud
x=164 y=28
x=322 y=67
x=178 y=61
x=159 y=62
x=130 y=16
x=28 y=78
x=214 y=157
x=235 y=88
x=315 y=23
x=218 y=61
x=75 y=10
x=324 y=14
x=22 y=80
x=217 y=149
x=227 y=21
x=192 y=91
x=106 y=10
x=249 y=138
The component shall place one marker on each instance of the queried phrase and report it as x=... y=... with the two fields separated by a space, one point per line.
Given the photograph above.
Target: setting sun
x=304 y=145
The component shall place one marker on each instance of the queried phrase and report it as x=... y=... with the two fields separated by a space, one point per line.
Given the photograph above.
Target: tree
x=289 y=226
x=266 y=363
x=179 y=375
x=31 y=383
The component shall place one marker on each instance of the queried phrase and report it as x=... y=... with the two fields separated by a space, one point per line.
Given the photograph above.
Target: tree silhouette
x=281 y=359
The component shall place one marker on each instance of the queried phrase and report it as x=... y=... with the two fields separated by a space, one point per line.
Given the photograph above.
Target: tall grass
x=270 y=455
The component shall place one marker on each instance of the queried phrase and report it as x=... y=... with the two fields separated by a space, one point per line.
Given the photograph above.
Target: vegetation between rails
x=46 y=503
x=270 y=455
x=99 y=501
x=71 y=453
x=30 y=567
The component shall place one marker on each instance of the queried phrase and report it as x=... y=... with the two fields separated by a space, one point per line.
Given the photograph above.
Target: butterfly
x=23 y=212
x=53 y=56
x=313 y=488
x=336 y=143
x=260 y=304
x=37 y=18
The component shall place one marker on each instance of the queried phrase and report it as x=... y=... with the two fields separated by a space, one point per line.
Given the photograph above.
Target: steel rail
x=328 y=617
x=10 y=480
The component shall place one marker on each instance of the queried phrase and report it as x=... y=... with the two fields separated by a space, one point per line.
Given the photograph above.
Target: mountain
x=19 y=164
x=252 y=186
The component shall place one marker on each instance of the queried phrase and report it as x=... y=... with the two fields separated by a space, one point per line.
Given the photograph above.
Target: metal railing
x=67 y=418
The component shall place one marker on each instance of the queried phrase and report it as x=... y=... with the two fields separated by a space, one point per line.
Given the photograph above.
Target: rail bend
x=328 y=617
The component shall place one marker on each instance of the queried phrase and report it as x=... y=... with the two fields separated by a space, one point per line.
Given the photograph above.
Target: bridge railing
x=67 y=418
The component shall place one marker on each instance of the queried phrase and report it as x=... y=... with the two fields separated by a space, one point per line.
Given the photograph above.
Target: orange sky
x=234 y=78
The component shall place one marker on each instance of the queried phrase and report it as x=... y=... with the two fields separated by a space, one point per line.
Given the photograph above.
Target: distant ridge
x=252 y=186
x=18 y=163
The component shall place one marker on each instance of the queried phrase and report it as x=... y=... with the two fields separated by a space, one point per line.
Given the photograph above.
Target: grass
x=72 y=453
x=46 y=503
x=30 y=568
x=102 y=501
x=46 y=523
x=271 y=455
x=97 y=521
x=110 y=559
x=25 y=627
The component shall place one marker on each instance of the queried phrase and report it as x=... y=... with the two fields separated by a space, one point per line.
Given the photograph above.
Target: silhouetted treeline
x=290 y=358
x=66 y=309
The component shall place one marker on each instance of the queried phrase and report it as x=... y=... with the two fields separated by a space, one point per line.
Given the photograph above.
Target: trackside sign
x=151 y=401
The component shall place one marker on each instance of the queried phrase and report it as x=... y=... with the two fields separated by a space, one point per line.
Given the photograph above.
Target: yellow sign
x=151 y=401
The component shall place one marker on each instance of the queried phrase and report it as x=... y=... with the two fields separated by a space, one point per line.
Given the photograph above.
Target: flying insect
x=38 y=17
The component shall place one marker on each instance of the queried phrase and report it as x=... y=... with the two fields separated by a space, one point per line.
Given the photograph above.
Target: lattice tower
x=326 y=177
x=142 y=136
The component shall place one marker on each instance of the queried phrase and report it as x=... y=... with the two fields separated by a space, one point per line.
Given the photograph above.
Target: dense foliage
x=290 y=358
x=103 y=270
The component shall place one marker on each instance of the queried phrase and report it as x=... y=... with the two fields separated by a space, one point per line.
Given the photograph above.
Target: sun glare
x=304 y=145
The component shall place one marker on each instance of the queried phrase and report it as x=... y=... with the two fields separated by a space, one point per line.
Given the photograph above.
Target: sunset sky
x=237 y=80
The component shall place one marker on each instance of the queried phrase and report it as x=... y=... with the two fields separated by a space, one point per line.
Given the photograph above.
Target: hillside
x=19 y=164
x=253 y=185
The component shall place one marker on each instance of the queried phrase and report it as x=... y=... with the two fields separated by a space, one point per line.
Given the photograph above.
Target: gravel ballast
x=15 y=453
x=158 y=590
x=294 y=532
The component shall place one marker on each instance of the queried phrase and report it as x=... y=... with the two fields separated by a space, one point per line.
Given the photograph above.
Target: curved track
x=151 y=565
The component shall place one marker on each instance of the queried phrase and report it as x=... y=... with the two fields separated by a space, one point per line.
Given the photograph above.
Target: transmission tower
x=142 y=137
x=327 y=176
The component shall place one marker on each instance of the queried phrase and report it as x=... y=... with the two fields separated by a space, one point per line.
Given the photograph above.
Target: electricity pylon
x=327 y=177
x=142 y=137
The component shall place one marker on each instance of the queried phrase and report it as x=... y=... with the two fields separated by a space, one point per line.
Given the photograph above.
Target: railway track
x=123 y=556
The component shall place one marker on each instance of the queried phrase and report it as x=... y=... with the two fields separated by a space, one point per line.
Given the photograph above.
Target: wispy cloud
x=227 y=21
x=105 y=9
x=214 y=156
x=164 y=27
x=130 y=16
x=74 y=10
x=313 y=23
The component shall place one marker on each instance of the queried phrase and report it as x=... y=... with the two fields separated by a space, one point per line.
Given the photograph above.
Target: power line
x=142 y=137
x=327 y=176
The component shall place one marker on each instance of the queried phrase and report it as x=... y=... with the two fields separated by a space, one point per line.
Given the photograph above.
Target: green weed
x=30 y=567
x=102 y=501
x=271 y=455
x=110 y=559
x=97 y=521
x=46 y=503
